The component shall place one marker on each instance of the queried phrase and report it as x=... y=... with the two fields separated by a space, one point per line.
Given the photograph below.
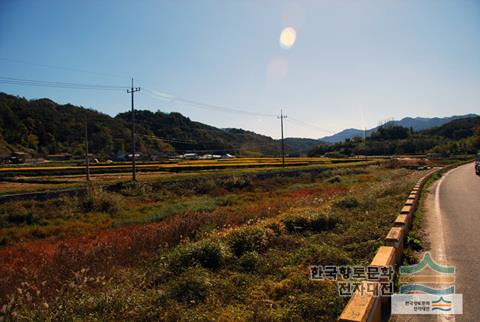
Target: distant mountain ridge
x=41 y=127
x=416 y=123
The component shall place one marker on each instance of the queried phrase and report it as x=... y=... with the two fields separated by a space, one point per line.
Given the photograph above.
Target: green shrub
x=247 y=239
x=249 y=261
x=17 y=214
x=295 y=223
x=302 y=300
x=206 y=253
x=361 y=250
x=410 y=257
x=322 y=221
x=237 y=183
x=21 y=217
x=317 y=308
x=228 y=201
x=206 y=186
x=134 y=189
x=313 y=222
x=414 y=243
x=348 y=203
x=191 y=287
x=87 y=204
x=98 y=200
x=320 y=255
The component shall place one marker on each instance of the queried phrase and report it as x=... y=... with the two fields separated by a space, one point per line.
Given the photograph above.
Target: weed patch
x=318 y=221
x=205 y=253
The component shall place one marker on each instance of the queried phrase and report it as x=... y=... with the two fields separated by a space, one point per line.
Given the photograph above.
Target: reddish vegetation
x=56 y=261
x=37 y=262
x=329 y=191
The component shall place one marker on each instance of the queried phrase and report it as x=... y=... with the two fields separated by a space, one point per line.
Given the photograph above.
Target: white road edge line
x=441 y=253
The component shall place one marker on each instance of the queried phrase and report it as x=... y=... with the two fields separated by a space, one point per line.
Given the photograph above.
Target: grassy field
x=24 y=178
x=223 y=246
x=172 y=166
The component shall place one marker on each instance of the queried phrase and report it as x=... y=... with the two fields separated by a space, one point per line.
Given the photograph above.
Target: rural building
x=59 y=157
x=190 y=156
x=15 y=157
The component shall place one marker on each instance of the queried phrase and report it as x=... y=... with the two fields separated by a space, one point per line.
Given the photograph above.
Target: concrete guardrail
x=363 y=307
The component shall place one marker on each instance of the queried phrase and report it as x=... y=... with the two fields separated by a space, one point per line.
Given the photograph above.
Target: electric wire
x=17 y=61
x=150 y=92
x=168 y=97
x=31 y=82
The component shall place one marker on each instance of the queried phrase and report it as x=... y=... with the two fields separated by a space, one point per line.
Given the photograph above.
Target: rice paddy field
x=223 y=245
x=61 y=175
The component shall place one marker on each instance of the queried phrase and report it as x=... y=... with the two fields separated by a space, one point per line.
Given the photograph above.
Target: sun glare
x=288 y=37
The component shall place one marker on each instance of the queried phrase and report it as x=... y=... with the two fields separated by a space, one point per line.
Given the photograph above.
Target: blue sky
x=354 y=63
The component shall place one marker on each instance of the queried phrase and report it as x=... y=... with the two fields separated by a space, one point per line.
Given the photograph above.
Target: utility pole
x=87 y=160
x=281 y=117
x=365 y=142
x=132 y=90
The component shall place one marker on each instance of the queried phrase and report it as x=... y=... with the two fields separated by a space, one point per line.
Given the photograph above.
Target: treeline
x=42 y=127
x=461 y=136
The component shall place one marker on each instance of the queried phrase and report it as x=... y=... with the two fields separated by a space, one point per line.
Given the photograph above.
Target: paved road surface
x=458 y=204
x=452 y=222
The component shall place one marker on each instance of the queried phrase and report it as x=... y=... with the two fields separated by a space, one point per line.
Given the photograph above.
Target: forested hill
x=460 y=136
x=414 y=123
x=43 y=127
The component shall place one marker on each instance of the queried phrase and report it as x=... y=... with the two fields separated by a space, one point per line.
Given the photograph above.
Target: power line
x=153 y=93
x=310 y=125
x=170 y=140
x=168 y=97
x=164 y=96
x=17 y=61
x=191 y=142
x=31 y=82
x=173 y=98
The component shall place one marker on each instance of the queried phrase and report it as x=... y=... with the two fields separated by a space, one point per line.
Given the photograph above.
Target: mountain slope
x=343 y=135
x=42 y=127
x=458 y=137
x=417 y=124
x=457 y=129
x=423 y=123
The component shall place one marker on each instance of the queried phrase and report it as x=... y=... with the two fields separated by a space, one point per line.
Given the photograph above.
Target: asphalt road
x=452 y=224
x=458 y=203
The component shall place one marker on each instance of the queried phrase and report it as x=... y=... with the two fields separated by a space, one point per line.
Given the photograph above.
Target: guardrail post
x=404 y=222
x=408 y=210
x=362 y=307
x=395 y=239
